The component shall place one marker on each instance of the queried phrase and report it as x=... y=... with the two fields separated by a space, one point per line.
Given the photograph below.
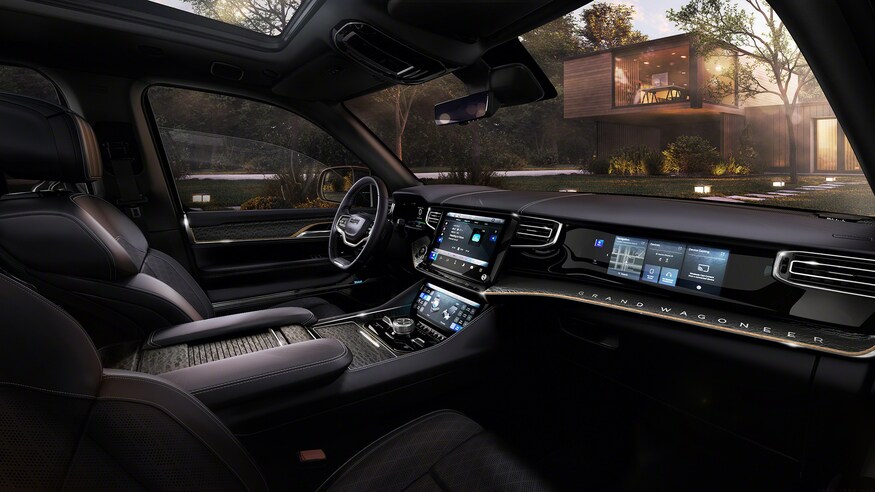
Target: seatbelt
x=122 y=165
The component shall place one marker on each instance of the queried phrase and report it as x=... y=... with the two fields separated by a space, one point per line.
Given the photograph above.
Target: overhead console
x=385 y=55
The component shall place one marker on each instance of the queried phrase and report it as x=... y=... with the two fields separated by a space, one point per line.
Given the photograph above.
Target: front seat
x=67 y=423
x=78 y=249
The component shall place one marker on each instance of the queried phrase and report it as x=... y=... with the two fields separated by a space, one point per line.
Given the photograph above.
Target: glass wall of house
x=832 y=151
x=720 y=72
x=652 y=75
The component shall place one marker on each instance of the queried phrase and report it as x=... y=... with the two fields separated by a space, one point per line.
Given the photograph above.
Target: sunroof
x=264 y=16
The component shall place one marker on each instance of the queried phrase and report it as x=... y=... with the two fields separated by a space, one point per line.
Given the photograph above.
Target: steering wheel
x=354 y=236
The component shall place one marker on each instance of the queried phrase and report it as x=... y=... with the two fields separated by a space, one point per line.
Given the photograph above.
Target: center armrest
x=260 y=373
x=229 y=325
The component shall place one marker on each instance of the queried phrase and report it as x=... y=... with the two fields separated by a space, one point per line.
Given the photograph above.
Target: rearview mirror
x=334 y=182
x=464 y=109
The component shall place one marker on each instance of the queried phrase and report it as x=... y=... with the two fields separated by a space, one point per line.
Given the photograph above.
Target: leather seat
x=67 y=423
x=78 y=249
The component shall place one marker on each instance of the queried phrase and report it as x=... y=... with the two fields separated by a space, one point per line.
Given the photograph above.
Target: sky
x=177 y=4
x=650 y=16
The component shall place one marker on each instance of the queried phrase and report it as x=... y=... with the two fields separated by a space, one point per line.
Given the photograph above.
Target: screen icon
x=703 y=268
x=669 y=276
x=475 y=238
x=599 y=243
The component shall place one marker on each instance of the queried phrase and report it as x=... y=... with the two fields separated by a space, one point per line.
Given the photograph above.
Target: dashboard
x=779 y=275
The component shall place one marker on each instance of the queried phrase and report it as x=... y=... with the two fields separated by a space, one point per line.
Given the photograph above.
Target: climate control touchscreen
x=665 y=263
x=444 y=309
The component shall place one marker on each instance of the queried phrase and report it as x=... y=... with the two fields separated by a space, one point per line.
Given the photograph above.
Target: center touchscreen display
x=666 y=263
x=466 y=244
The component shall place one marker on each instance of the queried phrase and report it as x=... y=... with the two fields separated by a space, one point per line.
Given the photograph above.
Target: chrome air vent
x=433 y=218
x=843 y=274
x=536 y=233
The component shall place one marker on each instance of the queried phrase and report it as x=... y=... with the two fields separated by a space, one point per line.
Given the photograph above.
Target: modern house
x=652 y=92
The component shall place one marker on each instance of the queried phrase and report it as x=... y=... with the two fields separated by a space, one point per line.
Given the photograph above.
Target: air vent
x=843 y=274
x=536 y=233
x=384 y=55
x=433 y=218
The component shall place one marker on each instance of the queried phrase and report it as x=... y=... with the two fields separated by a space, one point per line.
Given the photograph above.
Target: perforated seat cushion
x=441 y=451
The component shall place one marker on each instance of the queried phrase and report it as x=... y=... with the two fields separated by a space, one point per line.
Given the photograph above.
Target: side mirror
x=334 y=182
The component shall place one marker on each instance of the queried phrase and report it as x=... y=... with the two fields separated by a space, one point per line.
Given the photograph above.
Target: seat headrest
x=41 y=140
x=41 y=346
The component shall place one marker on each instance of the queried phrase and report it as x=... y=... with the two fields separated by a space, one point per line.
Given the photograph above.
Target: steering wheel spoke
x=357 y=231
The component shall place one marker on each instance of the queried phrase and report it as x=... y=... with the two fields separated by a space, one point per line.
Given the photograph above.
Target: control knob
x=402 y=326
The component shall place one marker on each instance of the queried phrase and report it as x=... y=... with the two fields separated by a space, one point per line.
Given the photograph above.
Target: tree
x=401 y=98
x=606 y=25
x=759 y=36
x=265 y=16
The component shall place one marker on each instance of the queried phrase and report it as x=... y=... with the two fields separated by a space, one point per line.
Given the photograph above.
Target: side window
x=230 y=153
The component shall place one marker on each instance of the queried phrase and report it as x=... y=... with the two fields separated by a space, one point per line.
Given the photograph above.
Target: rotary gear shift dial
x=402 y=326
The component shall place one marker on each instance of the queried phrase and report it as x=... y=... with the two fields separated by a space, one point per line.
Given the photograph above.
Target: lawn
x=224 y=194
x=852 y=198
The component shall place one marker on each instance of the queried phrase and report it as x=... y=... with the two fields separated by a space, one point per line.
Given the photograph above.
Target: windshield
x=671 y=98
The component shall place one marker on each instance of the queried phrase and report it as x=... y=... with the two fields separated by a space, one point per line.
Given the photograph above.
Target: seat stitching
x=46 y=390
x=258 y=377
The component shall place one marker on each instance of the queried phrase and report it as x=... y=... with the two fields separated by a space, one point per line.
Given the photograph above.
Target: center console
x=435 y=316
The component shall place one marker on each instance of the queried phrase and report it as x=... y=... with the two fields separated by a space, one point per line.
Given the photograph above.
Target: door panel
x=281 y=254
x=247 y=175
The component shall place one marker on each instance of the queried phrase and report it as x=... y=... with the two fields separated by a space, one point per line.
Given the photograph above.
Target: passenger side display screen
x=670 y=264
x=466 y=245
x=665 y=263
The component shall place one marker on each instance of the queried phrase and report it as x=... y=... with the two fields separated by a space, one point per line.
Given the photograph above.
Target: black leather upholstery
x=228 y=325
x=66 y=423
x=316 y=305
x=80 y=250
x=40 y=140
x=441 y=451
x=246 y=377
